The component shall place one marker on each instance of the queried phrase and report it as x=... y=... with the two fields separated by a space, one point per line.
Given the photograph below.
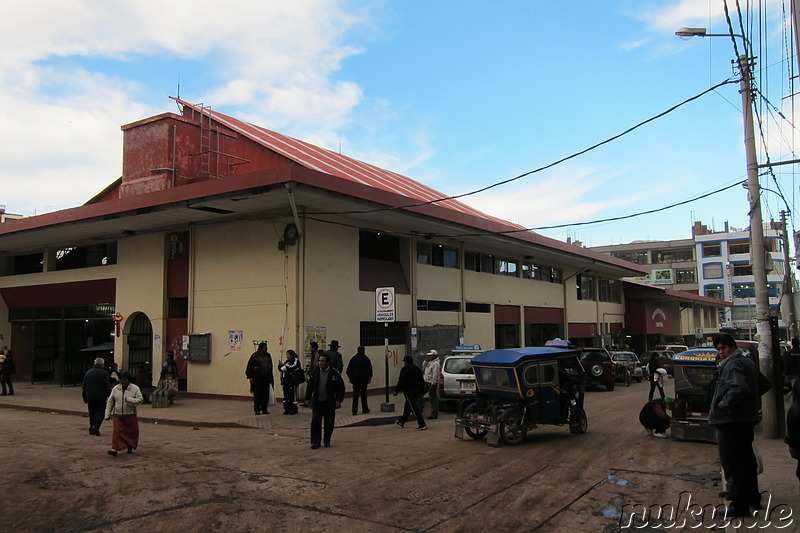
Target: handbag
x=271 y=395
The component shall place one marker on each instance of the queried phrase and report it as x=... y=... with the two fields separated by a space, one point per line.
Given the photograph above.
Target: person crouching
x=654 y=416
x=121 y=405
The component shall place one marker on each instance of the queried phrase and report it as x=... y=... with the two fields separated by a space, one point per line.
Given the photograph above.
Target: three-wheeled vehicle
x=693 y=371
x=521 y=388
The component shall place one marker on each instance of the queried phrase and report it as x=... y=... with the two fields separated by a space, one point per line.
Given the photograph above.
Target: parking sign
x=384 y=304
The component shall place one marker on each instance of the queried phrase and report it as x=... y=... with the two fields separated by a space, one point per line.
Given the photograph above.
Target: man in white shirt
x=431 y=369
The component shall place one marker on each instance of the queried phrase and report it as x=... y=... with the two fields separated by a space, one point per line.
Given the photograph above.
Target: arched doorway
x=140 y=342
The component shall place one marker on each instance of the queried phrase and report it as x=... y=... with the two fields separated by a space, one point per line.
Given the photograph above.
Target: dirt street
x=375 y=478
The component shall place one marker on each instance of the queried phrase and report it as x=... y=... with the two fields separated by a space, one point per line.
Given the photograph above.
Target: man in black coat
x=334 y=357
x=412 y=385
x=259 y=372
x=359 y=372
x=95 y=391
x=324 y=393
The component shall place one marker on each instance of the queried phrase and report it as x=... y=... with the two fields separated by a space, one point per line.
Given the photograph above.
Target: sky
x=456 y=95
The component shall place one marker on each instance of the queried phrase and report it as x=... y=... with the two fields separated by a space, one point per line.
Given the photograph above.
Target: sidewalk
x=189 y=410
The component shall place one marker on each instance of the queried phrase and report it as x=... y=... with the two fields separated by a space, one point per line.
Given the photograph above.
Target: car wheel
x=596 y=370
x=512 y=429
x=583 y=425
x=477 y=435
x=610 y=386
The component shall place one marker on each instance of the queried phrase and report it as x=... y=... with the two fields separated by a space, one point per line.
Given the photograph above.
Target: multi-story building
x=714 y=264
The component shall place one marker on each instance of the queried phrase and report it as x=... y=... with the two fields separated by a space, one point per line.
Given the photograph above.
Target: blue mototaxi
x=521 y=388
x=693 y=371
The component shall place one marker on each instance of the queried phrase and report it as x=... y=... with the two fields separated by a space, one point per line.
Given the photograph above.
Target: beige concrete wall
x=140 y=273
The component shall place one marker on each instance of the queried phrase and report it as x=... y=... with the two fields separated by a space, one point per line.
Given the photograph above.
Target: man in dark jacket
x=734 y=414
x=359 y=372
x=259 y=372
x=412 y=385
x=334 y=357
x=654 y=416
x=325 y=394
x=95 y=391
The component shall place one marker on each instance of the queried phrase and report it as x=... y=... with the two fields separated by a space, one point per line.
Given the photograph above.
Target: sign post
x=385 y=312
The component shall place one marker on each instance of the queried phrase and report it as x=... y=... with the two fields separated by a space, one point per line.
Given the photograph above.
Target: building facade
x=221 y=234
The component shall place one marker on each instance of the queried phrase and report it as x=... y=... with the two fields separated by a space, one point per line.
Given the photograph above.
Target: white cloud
x=275 y=61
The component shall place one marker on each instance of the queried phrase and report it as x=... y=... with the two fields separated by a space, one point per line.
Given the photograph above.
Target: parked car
x=664 y=359
x=600 y=369
x=456 y=380
x=631 y=361
x=674 y=348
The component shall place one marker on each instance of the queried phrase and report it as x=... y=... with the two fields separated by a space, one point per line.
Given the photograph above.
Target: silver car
x=630 y=360
x=456 y=381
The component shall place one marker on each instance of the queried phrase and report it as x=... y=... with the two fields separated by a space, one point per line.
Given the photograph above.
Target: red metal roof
x=341 y=166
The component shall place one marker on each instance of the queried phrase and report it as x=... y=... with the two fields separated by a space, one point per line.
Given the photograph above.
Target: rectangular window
x=487 y=263
x=530 y=271
x=672 y=256
x=555 y=275
x=740 y=246
x=438 y=305
x=640 y=258
x=712 y=249
x=437 y=255
x=478 y=262
x=475 y=307
x=585 y=286
x=685 y=275
x=715 y=291
x=608 y=290
x=178 y=308
x=28 y=264
x=741 y=269
x=712 y=270
x=744 y=290
x=505 y=267
x=742 y=313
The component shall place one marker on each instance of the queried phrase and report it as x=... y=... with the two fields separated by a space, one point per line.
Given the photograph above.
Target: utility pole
x=757 y=250
x=788 y=280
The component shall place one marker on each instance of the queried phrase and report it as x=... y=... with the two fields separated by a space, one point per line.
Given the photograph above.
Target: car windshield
x=624 y=357
x=594 y=356
x=458 y=365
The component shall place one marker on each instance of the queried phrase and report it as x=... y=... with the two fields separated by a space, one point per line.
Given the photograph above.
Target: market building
x=221 y=234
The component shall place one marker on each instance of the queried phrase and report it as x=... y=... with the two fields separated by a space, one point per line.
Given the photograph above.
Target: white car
x=630 y=360
x=456 y=381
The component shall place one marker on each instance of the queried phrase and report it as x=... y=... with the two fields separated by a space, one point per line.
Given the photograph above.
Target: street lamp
x=758 y=250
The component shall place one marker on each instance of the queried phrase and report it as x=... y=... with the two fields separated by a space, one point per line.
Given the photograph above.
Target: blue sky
x=457 y=95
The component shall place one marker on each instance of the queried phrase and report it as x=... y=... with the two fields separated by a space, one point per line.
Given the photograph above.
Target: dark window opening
x=86 y=256
x=28 y=264
x=374 y=333
x=475 y=307
x=378 y=246
x=438 y=305
x=178 y=308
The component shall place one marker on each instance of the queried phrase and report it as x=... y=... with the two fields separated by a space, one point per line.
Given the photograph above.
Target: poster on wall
x=318 y=334
x=662 y=276
x=235 y=340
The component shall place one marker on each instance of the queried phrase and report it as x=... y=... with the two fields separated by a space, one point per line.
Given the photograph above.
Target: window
x=712 y=249
x=774 y=289
x=741 y=269
x=541 y=273
x=740 y=246
x=744 y=290
x=438 y=305
x=608 y=290
x=178 y=308
x=28 y=264
x=437 y=255
x=672 y=256
x=475 y=307
x=378 y=246
x=505 y=267
x=685 y=275
x=86 y=256
x=742 y=313
x=712 y=270
x=555 y=275
x=530 y=271
x=640 y=258
x=715 y=291
x=585 y=287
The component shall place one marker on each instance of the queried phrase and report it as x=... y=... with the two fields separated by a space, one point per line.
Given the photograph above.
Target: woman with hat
x=121 y=405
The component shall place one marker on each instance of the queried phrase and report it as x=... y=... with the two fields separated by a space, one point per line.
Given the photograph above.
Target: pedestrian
x=654 y=416
x=95 y=391
x=791 y=363
x=9 y=368
x=143 y=377
x=325 y=394
x=289 y=370
x=259 y=372
x=734 y=415
x=113 y=373
x=412 y=385
x=793 y=426
x=121 y=405
x=313 y=356
x=653 y=368
x=169 y=374
x=431 y=368
x=359 y=372
x=335 y=357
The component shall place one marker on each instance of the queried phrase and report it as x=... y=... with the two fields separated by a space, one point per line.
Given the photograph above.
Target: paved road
x=374 y=478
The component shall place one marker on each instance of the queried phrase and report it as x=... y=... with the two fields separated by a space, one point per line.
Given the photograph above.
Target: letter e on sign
x=384 y=304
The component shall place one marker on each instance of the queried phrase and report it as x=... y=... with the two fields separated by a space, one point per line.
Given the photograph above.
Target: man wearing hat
x=335 y=357
x=259 y=372
x=95 y=391
x=430 y=372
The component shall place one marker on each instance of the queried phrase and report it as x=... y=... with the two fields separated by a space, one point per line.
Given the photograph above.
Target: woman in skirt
x=121 y=405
